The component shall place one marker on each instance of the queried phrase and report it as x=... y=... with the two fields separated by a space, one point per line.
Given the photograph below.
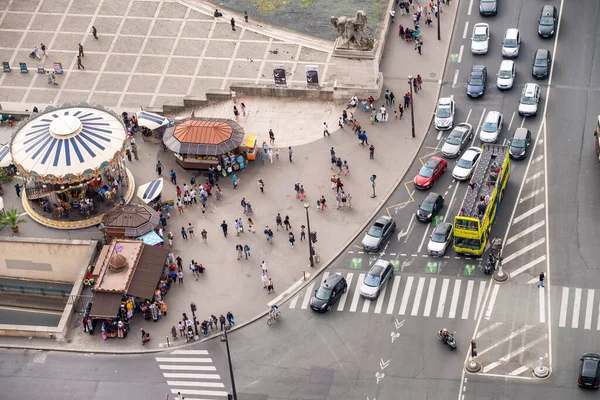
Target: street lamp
x=310 y=248
x=412 y=100
x=438 y=19
x=224 y=339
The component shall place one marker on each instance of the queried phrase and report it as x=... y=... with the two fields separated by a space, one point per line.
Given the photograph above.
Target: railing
x=33 y=290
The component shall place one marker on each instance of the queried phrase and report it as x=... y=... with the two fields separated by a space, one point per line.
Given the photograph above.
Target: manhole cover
x=39 y=358
x=432 y=74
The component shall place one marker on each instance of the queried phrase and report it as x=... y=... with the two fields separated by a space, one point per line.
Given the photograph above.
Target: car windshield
x=454 y=138
x=372 y=280
x=510 y=43
x=547 y=20
x=443 y=112
x=426 y=172
x=518 y=143
x=528 y=100
x=324 y=293
x=464 y=163
x=476 y=81
x=539 y=62
x=480 y=37
x=506 y=74
x=490 y=127
x=427 y=206
x=376 y=230
x=438 y=237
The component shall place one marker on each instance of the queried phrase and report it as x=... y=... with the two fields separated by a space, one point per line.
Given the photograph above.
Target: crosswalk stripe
x=196 y=384
x=576 y=308
x=479 y=298
x=467 y=305
x=366 y=305
x=188 y=367
x=190 y=352
x=345 y=295
x=442 y=301
x=307 y=296
x=562 y=319
x=429 y=300
x=454 y=301
x=191 y=376
x=488 y=312
x=406 y=295
x=542 y=295
x=356 y=296
x=294 y=301
x=487 y=329
x=588 y=309
x=200 y=392
x=519 y=370
x=418 y=294
x=380 y=299
x=392 y=301
x=184 y=360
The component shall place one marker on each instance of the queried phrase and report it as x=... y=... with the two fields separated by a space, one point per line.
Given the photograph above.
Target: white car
x=530 y=97
x=511 y=43
x=444 y=114
x=467 y=163
x=480 y=39
x=491 y=128
x=440 y=239
x=506 y=75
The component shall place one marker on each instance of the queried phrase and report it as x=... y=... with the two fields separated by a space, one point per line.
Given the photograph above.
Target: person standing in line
x=271 y=136
x=204 y=235
x=159 y=168
x=232 y=24
x=224 y=228
x=302 y=233
x=94 y=32
x=246 y=16
x=371 y=152
x=264 y=279
x=270 y=286
x=542 y=277
x=290 y=153
x=325 y=130
x=247 y=251
x=81 y=50
x=239 y=249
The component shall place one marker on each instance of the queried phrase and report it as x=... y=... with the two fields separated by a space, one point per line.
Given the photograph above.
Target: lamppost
x=412 y=100
x=310 y=247
x=224 y=339
x=438 y=19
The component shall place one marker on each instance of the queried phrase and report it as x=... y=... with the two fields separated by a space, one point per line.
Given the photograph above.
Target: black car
x=328 y=293
x=541 y=64
x=379 y=232
x=488 y=7
x=430 y=207
x=548 y=21
x=519 y=144
x=589 y=371
x=476 y=82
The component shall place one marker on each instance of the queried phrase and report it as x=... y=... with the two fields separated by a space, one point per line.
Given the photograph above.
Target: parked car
x=511 y=43
x=376 y=279
x=519 y=144
x=380 y=231
x=328 y=293
x=457 y=140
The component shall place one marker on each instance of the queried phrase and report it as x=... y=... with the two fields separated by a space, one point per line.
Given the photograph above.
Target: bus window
x=474 y=244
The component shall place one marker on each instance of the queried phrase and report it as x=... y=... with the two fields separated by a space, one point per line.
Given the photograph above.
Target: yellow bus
x=473 y=224
x=597 y=135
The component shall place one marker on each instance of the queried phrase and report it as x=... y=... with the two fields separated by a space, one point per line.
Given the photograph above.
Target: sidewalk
x=232 y=285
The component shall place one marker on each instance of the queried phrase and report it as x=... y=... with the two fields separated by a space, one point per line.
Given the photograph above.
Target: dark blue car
x=476 y=82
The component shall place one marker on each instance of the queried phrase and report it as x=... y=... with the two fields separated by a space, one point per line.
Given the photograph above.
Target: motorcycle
x=449 y=339
x=490 y=265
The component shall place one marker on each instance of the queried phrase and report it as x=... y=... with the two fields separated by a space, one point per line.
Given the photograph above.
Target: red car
x=430 y=172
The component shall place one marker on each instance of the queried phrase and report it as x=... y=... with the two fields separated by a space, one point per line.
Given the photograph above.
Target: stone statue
x=352 y=29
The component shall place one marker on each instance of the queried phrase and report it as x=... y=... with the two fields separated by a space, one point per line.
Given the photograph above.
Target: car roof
x=376 y=269
x=433 y=161
x=444 y=101
x=442 y=227
x=548 y=10
x=470 y=153
x=478 y=68
x=590 y=355
x=383 y=219
x=511 y=33
x=492 y=115
x=541 y=53
x=481 y=25
x=507 y=64
x=332 y=280
x=431 y=197
x=520 y=133
x=529 y=89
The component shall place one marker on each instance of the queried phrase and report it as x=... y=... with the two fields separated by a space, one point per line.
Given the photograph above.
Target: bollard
x=304 y=275
x=167 y=341
x=500 y=276
x=541 y=371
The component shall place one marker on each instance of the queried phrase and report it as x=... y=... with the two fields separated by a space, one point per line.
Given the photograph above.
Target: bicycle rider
x=273 y=311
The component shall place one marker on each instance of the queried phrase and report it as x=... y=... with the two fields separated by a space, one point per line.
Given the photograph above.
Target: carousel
x=71 y=161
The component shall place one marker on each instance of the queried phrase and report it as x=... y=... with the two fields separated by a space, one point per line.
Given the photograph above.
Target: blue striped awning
x=5 y=158
x=149 y=191
x=150 y=120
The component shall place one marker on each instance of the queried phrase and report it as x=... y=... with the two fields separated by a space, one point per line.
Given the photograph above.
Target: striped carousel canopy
x=68 y=142
x=5 y=159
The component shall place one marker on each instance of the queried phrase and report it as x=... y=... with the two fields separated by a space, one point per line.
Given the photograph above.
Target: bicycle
x=272 y=318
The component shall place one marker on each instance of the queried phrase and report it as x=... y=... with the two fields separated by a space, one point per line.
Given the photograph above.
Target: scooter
x=449 y=340
x=490 y=265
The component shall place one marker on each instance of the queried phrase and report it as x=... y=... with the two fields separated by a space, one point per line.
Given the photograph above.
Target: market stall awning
x=131 y=220
x=149 y=191
x=251 y=141
x=5 y=158
x=150 y=120
x=151 y=238
x=105 y=305
x=148 y=272
x=204 y=136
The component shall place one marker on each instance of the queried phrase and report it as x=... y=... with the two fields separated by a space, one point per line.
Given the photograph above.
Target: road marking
x=588 y=309
x=442 y=301
x=488 y=312
x=519 y=370
x=523 y=250
x=506 y=339
x=188 y=367
x=525 y=232
x=455 y=79
x=562 y=319
x=542 y=292
x=190 y=352
x=528 y=213
x=356 y=296
x=528 y=266
x=537 y=159
x=200 y=392
x=531 y=195
x=342 y=303
x=466 y=30
x=460 y=52
x=423 y=239
x=467 y=121
x=184 y=360
x=467 y=304
x=512 y=354
x=488 y=329
x=429 y=300
x=409 y=228
x=366 y=305
x=196 y=384
x=576 y=308
x=534 y=176
x=439 y=136
x=406 y=295
x=418 y=294
x=307 y=296
x=451 y=201
x=479 y=298
x=511 y=120
x=478 y=127
x=392 y=302
x=522 y=121
x=470 y=7
x=294 y=301
x=379 y=303
x=455 y=296
x=191 y=376
x=279 y=299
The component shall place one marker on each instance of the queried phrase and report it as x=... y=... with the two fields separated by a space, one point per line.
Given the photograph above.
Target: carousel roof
x=68 y=141
x=5 y=159
x=134 y=220
x=204 y=136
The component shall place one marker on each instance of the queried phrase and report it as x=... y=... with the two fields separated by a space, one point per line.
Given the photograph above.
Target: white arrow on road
x=384 y=364
x=398 y=324
x=402 y=233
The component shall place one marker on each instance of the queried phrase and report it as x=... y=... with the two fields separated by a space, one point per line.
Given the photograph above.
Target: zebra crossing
x=407 y=295
x=577 y=309
x=192 y=373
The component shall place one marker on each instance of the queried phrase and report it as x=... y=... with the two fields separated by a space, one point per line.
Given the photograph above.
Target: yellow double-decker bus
x=473 y=224
x=597 y=135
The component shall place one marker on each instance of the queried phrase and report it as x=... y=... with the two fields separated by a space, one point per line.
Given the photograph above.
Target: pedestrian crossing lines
x=407 y=295
x=577 y=309
x=192 y=373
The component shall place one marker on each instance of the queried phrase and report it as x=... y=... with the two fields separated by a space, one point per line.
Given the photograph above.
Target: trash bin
x=317 y=258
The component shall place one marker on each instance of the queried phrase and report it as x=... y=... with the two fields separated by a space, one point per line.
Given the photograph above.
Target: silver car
x=511 y=43
x=379 y=275
x=440 y=239
x=457 y=140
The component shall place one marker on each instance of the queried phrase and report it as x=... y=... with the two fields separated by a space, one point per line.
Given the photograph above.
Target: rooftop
x=116 y=265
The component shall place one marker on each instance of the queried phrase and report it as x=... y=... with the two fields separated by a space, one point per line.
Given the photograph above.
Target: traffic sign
x=469 y=270
x=356 y=263
x=432 y=267
x=396 y=264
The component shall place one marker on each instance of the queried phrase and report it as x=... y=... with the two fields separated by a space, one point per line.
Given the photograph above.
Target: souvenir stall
x=130 y=278
x=71 y=159
x=152 y=126
x=251 y=149
x=129 y=221
x=202 y=143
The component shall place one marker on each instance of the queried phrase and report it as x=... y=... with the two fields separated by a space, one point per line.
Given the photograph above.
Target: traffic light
x=313 y=237
x=193 y=307
x=473 y=349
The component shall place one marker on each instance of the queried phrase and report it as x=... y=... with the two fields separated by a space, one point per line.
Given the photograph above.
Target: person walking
x=43 y=48
x=79 y=64
x=190 y=230
x=170 y=238
x=224 y=228
x=236 y=113
x=325 y=130
x=290 y=152
x=541 y=282
x=287 y=223
x=204 y=235
x=184 y=233
x=251 y=225
x=302 y=233
x=234 y=180
x=271 y=136
x=246 y=16
x=239 y=249
x=180 y=277
x=247 y=251
x=291 y=239
x=263 y=266
x=418 y=45
x=419 y=81
x=243 y=108
x=232 y=24
x=270 y=286
x=302 y=193
x=81 y=50
x=222 y=321
x=401 y=110
x=415 y=86
x=18 y=190
x=264 y=279
x=261 y=185
x=278 y=221
x=159 y=168
x=94 y=32
x=230 y=319
x=387 y=97
x=372 y=152
x=173 y=176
